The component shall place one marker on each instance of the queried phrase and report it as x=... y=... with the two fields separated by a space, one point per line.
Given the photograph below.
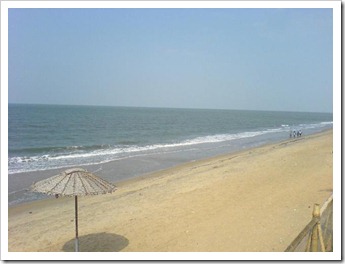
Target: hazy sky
x=257 y=59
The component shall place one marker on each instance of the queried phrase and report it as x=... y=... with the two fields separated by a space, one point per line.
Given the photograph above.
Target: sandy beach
x=256 y=200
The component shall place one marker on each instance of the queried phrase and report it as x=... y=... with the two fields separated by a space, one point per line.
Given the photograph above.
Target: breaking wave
x=59 y=157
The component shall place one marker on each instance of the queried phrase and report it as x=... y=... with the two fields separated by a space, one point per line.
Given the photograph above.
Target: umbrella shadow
x=99 y=242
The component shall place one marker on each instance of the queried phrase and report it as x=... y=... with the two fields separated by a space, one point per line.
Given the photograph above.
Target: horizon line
x=166 y=107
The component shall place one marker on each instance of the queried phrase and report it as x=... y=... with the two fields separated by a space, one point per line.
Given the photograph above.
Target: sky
x=277 y=59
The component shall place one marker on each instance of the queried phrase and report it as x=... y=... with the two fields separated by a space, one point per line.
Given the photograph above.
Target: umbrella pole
x=76 y=224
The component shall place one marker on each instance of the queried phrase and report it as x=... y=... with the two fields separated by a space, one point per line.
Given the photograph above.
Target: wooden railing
x=318 y=233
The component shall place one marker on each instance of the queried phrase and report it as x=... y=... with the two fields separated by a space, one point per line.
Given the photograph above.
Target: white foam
x=327 y=123
x=118 y=152
x=77 y=156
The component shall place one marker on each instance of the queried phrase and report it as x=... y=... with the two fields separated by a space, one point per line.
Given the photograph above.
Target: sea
x=120 y=143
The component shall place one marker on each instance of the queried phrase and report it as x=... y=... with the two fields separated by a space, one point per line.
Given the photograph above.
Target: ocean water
x=124 y=142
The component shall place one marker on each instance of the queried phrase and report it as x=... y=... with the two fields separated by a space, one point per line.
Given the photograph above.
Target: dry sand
x=255 y=200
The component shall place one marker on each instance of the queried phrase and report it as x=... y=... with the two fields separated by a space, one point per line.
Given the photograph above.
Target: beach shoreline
x=137 y=166
x=190 y=207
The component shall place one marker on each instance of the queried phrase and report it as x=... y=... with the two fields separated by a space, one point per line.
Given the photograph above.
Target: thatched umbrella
x=74 y=182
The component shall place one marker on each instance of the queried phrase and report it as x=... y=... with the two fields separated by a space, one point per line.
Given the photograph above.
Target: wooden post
x=76 y=225
x=322 y=244
x=314 y=235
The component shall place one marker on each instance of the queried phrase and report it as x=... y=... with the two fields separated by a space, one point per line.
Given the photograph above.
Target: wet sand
x=257 y=200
